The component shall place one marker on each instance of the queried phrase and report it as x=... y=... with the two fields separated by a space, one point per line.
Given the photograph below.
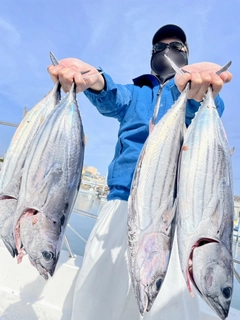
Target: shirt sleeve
x=113 y=100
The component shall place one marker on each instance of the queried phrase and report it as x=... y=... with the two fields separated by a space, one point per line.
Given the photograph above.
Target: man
x=103 y=289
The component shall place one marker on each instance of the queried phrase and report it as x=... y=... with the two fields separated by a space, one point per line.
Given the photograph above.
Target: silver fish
x=8 y=207
x=49 y=186
x=206 y=207
x=10 y=175
x=152 y=205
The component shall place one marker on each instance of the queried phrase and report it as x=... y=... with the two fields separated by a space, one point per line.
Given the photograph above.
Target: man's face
x=176 y=51
x=168 y=40
x=174 y=43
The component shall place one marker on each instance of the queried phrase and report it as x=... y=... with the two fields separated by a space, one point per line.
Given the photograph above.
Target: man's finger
x=181 y=81
x=217 y=84
x=226 y=76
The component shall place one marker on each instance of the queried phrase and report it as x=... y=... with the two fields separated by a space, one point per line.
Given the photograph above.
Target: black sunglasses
x=160 y=46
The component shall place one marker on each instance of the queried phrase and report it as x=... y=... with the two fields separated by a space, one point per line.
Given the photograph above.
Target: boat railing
x=83 y=213
x=92 y=216
x=71 y=254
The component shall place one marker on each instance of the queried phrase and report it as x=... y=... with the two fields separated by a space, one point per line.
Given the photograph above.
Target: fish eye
x=47 y=255
x=158 y=284
x=227 y=292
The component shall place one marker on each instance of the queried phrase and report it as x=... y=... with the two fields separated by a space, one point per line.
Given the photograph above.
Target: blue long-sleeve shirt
x=133 y=105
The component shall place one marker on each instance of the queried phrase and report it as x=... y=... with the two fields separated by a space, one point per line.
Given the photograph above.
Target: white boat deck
x=25 y=295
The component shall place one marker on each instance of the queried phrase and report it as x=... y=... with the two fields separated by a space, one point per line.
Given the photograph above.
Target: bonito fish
x=49 y=186
x=206 y=206
x=11 y=172
x=152 y=205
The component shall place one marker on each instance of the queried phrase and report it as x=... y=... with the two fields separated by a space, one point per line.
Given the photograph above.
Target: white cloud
x=10 y=33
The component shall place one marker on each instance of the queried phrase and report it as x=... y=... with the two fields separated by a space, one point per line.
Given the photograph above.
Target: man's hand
x=70 y=69
x=202 y=75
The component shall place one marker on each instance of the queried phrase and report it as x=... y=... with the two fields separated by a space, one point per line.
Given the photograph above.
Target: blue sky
x=115 y=35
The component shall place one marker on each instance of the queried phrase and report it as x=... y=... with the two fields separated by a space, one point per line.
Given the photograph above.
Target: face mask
x=161 y=66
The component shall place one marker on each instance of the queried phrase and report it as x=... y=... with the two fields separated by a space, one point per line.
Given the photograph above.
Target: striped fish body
x=50 y=182
x=16 y=154
x=11 y=172
x=206 y=209
x=152 y=203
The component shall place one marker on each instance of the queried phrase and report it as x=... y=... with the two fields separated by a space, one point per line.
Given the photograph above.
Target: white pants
x=103 y=289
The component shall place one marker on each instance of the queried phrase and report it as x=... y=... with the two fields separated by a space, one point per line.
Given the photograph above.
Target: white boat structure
x=24 y=294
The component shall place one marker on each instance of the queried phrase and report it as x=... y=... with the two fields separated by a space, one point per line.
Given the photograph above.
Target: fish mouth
x=199 y=243
x=41 y=269
x=143 y=300
x=221 y=312
x=146 y=298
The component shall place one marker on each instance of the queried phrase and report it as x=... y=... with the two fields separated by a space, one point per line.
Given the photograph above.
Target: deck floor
x=25 y=295
x=12 y=307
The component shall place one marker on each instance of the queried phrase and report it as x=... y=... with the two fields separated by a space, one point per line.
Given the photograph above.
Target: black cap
x=168 y=31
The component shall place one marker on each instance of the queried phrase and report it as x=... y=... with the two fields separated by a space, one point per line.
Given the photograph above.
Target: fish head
x=46 y=263
x=8 y=207
x=212 y=275
x=7 y=236
x=151 y=281
x=39 y=237
x=151 y=266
